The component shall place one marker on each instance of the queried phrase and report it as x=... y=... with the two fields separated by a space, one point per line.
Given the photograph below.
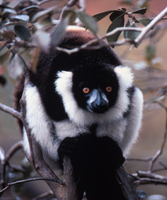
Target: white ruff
x=38 y=121
x=63 y=85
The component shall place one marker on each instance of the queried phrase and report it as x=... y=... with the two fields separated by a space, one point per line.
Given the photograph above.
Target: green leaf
x=59 y=32
x=9 y=10
x=22 y=32
x=43 y=23
x=142 y=3
x=16 y=66
x=4 y=57
x=14 y=3
x=145 y=21
x=126 y=2
x=150 y=52
x=71 y=15
x=88 y=21
x=116 y=14
x=131 y=34
x=126 y=32
x=30 y=7
x=42 y=13
x=100 y=16
x=118 y=22
x=21 y=17
x=141 y=11
x=43 y=40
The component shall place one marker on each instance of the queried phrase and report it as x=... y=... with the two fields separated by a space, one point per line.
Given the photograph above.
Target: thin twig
x=142 y=177
x=71 y=3
x=68 y=5
x=160 y=151
x=11 y=111
x=44 y=195
x=13 y=149
x=82 y=5
x=29 y=180
x=9 y=154
x=140 y=159
x=88 y=44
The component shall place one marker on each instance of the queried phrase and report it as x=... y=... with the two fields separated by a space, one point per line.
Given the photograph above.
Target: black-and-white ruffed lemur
x=83 y=106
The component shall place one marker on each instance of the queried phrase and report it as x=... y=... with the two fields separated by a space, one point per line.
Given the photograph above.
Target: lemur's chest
x=67 y=128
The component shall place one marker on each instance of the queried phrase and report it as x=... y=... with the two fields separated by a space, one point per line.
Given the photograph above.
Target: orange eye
x=86 y=90
x=109 y=89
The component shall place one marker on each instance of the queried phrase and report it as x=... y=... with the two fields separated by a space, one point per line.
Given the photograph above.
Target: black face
x=95 y=88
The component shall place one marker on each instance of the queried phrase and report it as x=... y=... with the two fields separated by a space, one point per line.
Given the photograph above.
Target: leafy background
x=154 y=118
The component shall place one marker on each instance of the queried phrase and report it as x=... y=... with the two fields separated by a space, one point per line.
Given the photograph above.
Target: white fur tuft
x=38 y=121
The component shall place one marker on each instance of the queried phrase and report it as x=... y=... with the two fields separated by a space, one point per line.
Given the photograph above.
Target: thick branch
x=126 y=185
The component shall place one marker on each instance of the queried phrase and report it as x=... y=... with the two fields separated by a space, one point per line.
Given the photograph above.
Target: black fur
x=94 y=162
x=94 y=77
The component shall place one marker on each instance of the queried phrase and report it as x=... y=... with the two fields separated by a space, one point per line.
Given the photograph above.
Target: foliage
x=26 y=28
x=117 y=17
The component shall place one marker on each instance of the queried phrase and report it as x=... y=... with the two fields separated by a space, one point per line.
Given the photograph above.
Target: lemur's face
x=95 y=89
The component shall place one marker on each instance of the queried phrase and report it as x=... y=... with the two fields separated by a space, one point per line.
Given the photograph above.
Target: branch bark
x=160 y=151
x=126 y=185
x=142 y=177
x=11 y=111
x=151 y=25
x=4 y=162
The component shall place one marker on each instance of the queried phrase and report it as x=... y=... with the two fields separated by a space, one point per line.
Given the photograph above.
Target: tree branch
x=126 y=185
x=11 y=111
x=142 y=177
x=150 y=26
x=160 y=151
x=13 y=150
x=4 y=162
x=28 y=180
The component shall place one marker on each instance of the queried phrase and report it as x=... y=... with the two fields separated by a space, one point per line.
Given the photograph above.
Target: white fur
x=66 y=128
x=134 y=121
x=38 y=120
x=26 y=142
